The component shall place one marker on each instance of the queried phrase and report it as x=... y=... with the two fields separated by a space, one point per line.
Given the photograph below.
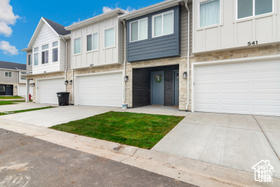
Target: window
x=209 y=13
x=77 y=45
x=55 y=51
x=92 y=43
x=139 y=30
x=248 y=8
x=8 y=74
x=23 y=77
x=2 y=88
x=163 y=24
x=45 y=54
x=29 y=60
x=36 y=59
x=110 y=38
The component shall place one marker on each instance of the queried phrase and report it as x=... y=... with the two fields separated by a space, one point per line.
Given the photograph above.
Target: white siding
x=46 y=36
x=101 y=56
x=233 y=33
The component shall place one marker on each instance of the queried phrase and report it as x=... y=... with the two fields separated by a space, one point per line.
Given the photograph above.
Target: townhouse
x=13 y=80
x=199 y=55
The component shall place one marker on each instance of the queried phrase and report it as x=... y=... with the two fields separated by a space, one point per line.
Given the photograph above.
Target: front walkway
x=233 y=141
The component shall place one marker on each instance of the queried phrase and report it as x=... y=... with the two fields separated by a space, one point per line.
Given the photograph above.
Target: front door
x=157 y=88
x=9 y=90
x=176 y=87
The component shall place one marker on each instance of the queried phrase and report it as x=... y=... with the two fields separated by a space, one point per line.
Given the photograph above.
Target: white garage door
x=22 y=90
x=244 y=88
x=47 y=89
x=99 y=90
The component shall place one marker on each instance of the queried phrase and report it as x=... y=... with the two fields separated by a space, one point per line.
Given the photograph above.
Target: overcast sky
x=19 y=19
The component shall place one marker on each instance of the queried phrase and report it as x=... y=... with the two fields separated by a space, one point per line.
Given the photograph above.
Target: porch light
x=66 y=82
x=33 y=84
x=125 y=78
x=70 y=82
x=185 y=74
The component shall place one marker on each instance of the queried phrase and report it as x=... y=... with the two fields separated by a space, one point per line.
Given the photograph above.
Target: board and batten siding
x=153 y=48
x=46 y=36
x=184 y=30
x=101 y=56
x=233 y=32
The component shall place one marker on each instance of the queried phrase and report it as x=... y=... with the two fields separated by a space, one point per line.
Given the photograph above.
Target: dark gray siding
x=153 y=48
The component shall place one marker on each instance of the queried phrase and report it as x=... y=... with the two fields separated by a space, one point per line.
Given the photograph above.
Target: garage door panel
x=246 y=88
x=47 y=90
x=99 y=90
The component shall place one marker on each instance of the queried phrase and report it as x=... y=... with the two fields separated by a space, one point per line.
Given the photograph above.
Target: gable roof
x=58 y=29
x=98 y=18
x=12 y=65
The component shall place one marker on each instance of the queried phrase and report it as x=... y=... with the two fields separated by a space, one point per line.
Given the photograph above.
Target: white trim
x=114 y=38
x=209 y=26
x=161 y=14
x=238 y=60
x=254 y=16
x=40 y=79
x=8 y=72
x=147 y=24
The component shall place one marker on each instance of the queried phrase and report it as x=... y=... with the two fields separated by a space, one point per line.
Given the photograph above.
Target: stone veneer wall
x=182 y=62
x=233 y=54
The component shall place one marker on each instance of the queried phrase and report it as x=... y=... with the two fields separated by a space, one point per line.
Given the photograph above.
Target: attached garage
x=99 y=89
x=251 y=87
x=22 y=90
x=47 y=89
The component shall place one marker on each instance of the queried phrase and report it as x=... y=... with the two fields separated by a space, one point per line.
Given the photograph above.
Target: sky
x=19 y=19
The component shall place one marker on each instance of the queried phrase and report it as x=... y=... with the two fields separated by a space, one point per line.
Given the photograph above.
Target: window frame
x=130 y=30
x=209 y=26
x=29 y=59
x=10 y=74
x=44 y=50
x=80 y=46
x=55 y=47
x=93 y=50
x=153 y=29
x=36 y=53
x=254 y=11
x=114 y=38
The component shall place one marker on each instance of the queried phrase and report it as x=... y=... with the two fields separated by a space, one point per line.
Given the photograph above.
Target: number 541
x=253 y=43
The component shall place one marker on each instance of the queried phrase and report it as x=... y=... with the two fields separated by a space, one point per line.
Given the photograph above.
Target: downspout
x=188 y=58
x=124 y=63
x=72 y=86
x=66 y=61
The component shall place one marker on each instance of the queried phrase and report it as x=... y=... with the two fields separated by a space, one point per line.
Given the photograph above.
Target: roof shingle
x=12 y=65
x=57 y=27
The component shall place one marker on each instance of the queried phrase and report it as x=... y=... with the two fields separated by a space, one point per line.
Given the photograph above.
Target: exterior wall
x=184 y=30
x=46 y=36
x=233 y=54
x=182 y=62
x=29 y=67
x=8 y=80
x=158 y=47
x=233 y=32
x=102 y=56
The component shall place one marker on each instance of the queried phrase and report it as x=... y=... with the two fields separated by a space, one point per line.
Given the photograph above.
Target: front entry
x=157 y=88
x=176 y=87
x=9 y=90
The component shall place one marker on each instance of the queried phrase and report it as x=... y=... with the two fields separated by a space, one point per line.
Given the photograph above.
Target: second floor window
x=92 y=42
x=36 y=58
x=8 y=74
x=29 y=59
x=77 y=46
x=139 y=30
x=23 y=77
x=248 y=8
x=45 y=54
x=209 y=13
x=163 y=24
x=55 y=51
x=109 y=38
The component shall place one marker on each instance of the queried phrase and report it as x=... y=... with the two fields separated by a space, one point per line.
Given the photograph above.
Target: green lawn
x=19 y=111
x=10 y=102
x=141 y=130
x=11 y=97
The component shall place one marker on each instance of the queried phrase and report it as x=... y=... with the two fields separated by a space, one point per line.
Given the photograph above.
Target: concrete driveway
x=55 y=116
x=234 y=141
x=22 y=106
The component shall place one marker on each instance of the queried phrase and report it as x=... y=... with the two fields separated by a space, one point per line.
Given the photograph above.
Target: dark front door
x=9 y=90
x=157 y=88
x=176 y=87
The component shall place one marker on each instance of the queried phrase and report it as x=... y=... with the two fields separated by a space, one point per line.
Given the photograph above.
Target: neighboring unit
x=13 y=80
x=236 y=63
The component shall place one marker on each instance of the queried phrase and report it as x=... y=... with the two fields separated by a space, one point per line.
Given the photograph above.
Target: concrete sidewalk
x=183 y=169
